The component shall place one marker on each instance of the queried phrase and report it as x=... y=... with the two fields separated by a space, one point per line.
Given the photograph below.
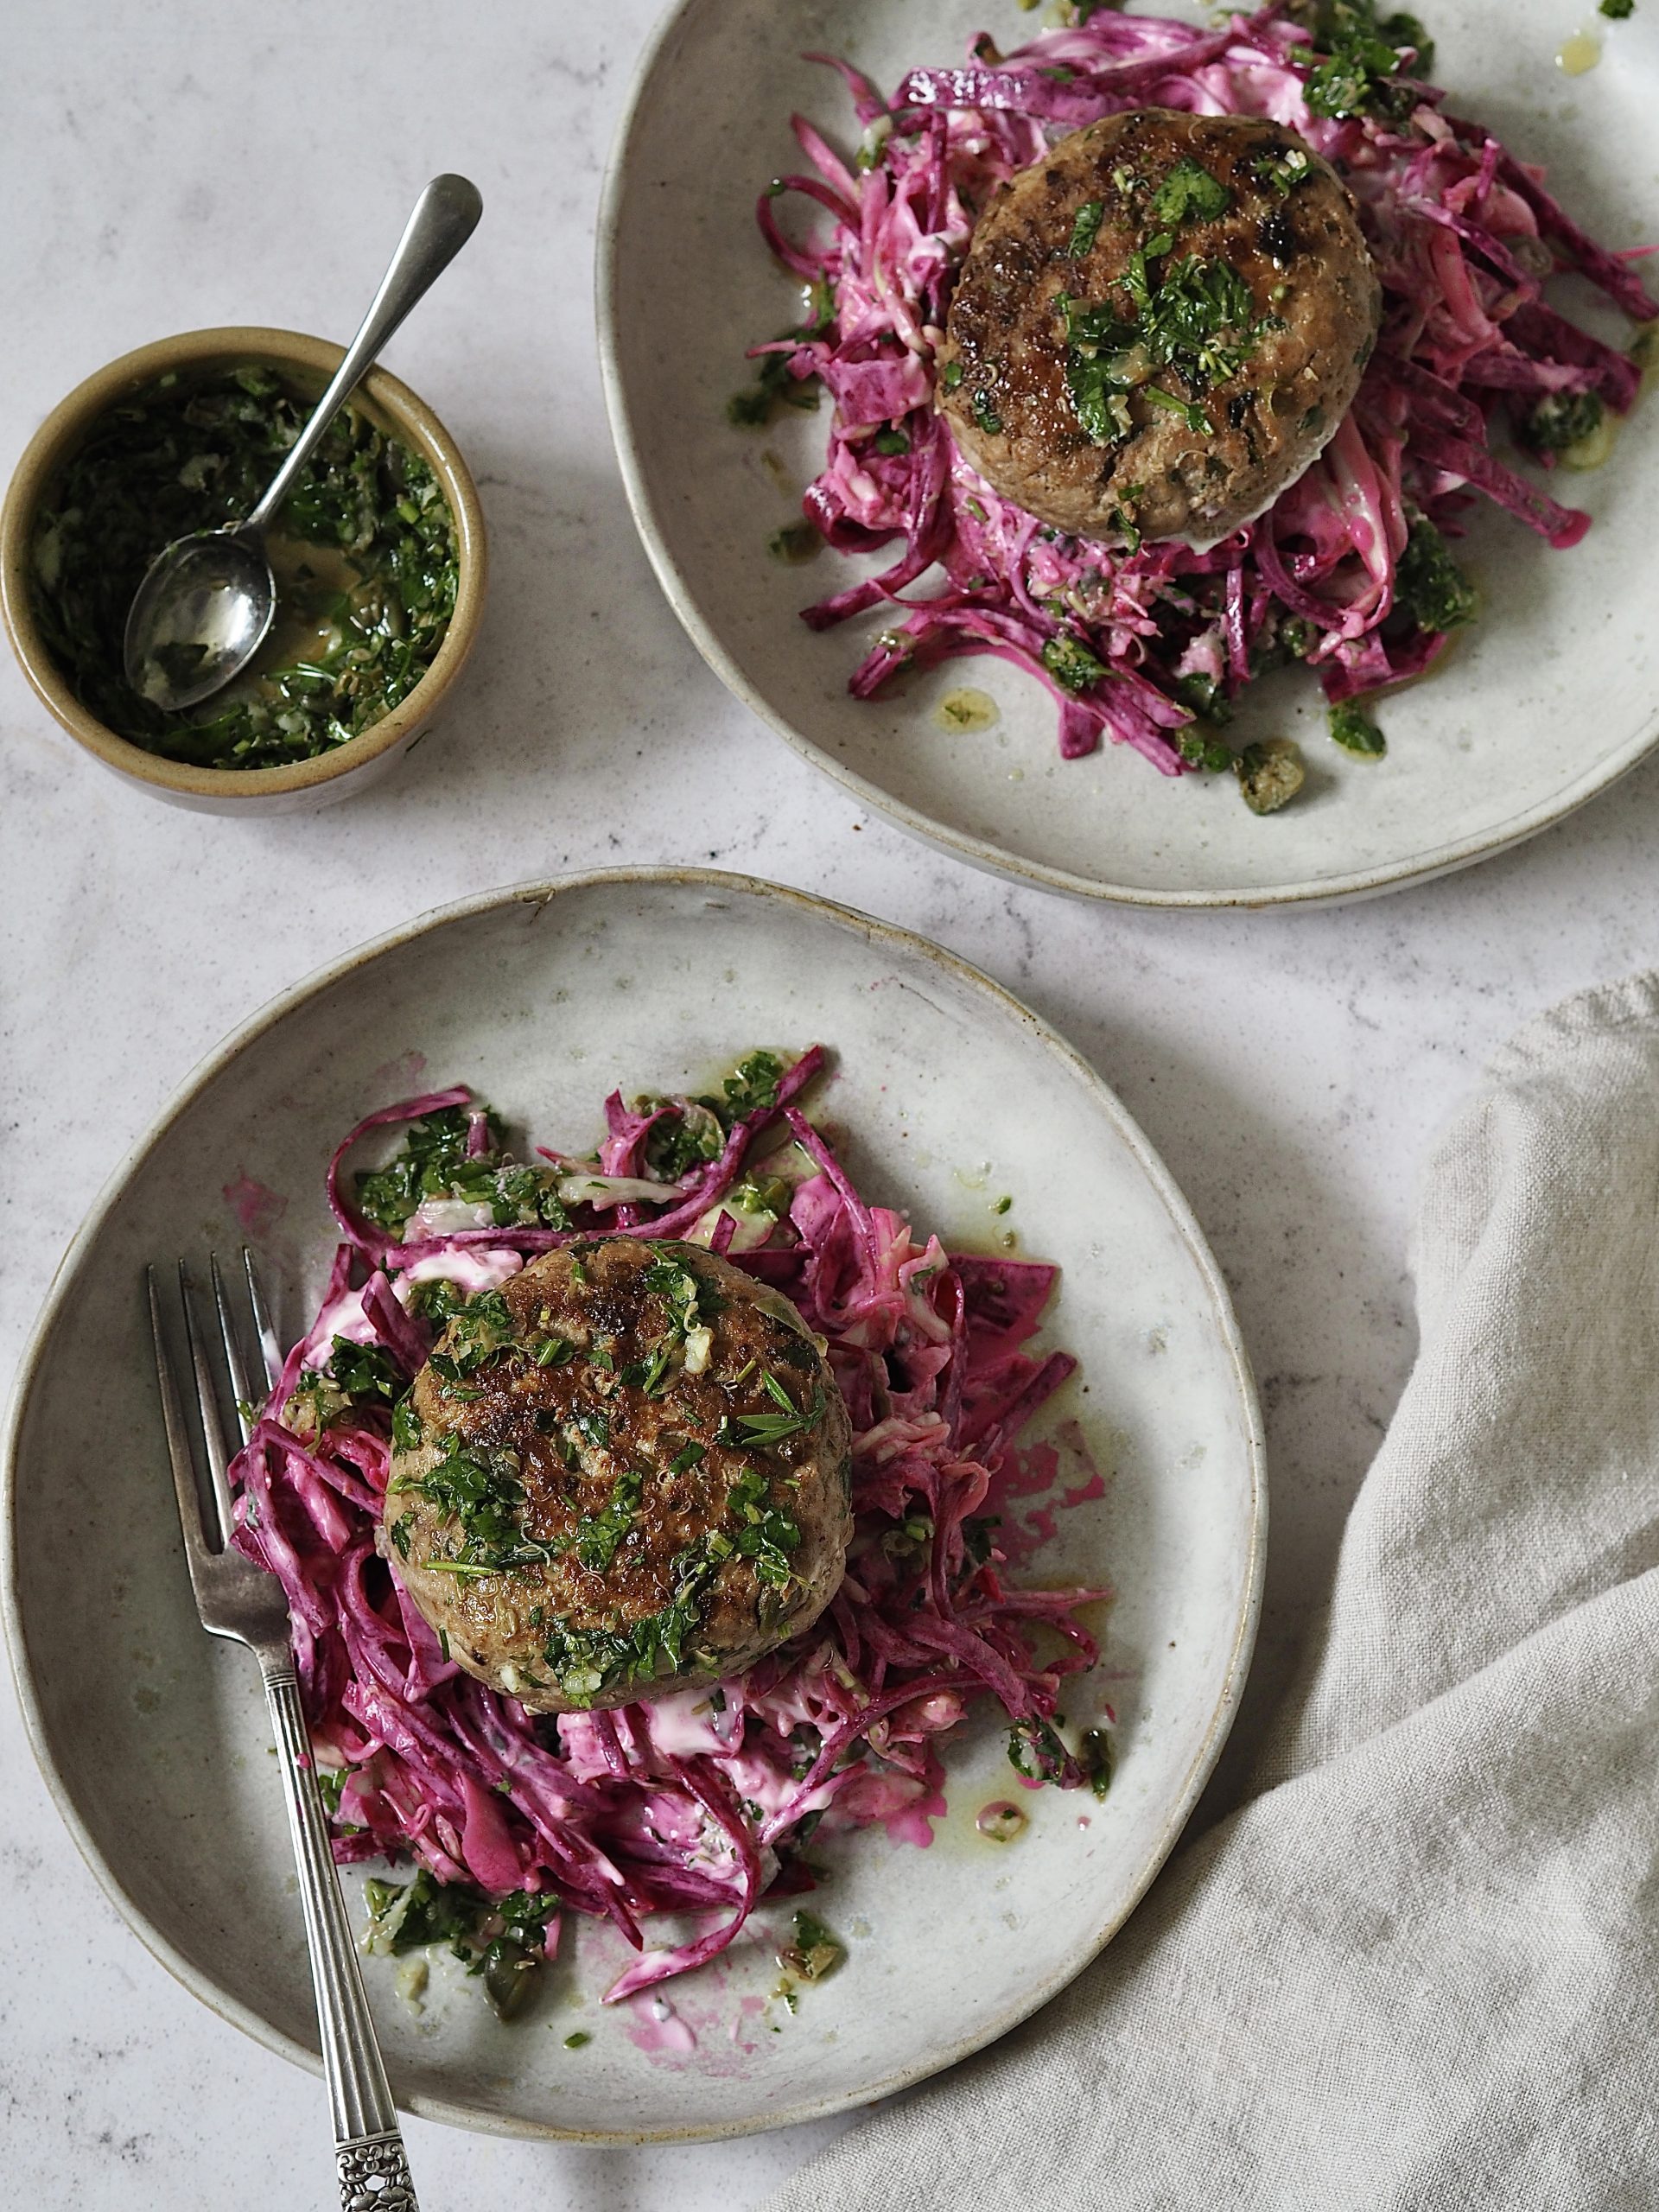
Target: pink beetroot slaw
x=1464 y=238
x=688 y=1801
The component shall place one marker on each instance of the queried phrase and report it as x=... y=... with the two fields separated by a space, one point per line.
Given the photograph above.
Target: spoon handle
x=445 y=217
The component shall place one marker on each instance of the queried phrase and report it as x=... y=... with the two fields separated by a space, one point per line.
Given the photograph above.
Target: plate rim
x=539 y=893
x=979 y=852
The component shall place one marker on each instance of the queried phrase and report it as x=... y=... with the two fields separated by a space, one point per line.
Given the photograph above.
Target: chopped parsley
x=1036 y=1752
x=758 y=1198
x=1364 y=54
x=364 y=1370
x=1355 y=732
x=1617 y=10
x=761 y=1431
x=586 y=1660
x=330 y=1783
x=480 y=1492
x=1086 y=228
x=774 y=387
x=1200 y=321
x=1189 y=193
x=316 y=1402
x=653 y=1374
x=1283 y=172
x=1124 y=523
x=892 y=440
x=406 y=1431
x=795 y=543
x=1192 y=415
x=1069 y=661
x=437 y=1300
x=523 y=1197
x=1194 y=316
x=435 y=1163
x=592 y=1427
x=1429 y=585
x=433 y=1152
x=1104 y=362
x=766 y=1536
x=1205 y=695
x=985 y=414
x=1201 y=748
x=1354 y=80
x=599 y=1537
x=1561 y=419
x=751 y=1087
x=450 y=1384
x=503 y=1940
x=692 y=1305
x=479 y=1332
x=689 y=1131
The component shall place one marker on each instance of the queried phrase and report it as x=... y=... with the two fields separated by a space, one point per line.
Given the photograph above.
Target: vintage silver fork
x=238 y=1599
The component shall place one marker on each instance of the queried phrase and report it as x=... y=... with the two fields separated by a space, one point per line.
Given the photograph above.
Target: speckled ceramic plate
x=949 y=1095
x=1552 y=696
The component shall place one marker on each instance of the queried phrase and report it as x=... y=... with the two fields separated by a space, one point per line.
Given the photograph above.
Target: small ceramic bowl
x=298 y=784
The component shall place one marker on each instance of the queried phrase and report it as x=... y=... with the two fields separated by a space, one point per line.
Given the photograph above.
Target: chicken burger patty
x=1159 y=326
x=627 y=1469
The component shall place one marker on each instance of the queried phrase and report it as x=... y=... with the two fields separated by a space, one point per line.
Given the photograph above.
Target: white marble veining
x=179 y=164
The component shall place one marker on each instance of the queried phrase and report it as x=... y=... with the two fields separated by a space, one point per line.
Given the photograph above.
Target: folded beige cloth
x=1420 y=1965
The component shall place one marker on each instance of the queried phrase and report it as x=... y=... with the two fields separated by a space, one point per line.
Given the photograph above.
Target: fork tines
x=228 y=1601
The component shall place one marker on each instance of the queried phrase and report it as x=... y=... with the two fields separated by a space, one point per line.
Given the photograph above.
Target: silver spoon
x=207 y=601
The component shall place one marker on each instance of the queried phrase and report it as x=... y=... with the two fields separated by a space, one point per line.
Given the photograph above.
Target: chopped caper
x=509 y=1977
x=1270 y=773
x=1097 y=1760
x=815 y=1953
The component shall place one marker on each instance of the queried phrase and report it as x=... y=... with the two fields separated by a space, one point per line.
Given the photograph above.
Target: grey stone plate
x=949 y=1095
x=1548 y=700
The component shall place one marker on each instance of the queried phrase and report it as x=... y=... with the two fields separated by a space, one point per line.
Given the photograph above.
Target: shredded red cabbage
x=1464 y=236
x=692 y=1802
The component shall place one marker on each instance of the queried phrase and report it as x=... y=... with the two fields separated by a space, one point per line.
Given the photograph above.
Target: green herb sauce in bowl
x=364 y=557
x=381 y=562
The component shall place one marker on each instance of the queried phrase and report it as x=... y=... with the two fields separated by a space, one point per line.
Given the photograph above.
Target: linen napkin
x=1420 y=1966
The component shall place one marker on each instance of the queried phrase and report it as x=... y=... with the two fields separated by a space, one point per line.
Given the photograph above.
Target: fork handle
x=370 y=2165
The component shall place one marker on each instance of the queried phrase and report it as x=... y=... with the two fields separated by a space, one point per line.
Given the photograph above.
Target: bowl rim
x=538 y=894
x=385 y=394
x=673 y=26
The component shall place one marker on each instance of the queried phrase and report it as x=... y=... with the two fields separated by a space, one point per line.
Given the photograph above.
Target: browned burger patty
x=628 y=1470
x=1177 y=394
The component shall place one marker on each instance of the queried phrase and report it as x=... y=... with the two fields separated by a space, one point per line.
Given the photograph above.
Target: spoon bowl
x=203 y=610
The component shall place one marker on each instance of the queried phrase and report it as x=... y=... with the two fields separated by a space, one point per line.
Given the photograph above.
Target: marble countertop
x=179 y=165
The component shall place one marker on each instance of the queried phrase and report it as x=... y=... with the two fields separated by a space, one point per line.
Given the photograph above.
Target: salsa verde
x=363 y=555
